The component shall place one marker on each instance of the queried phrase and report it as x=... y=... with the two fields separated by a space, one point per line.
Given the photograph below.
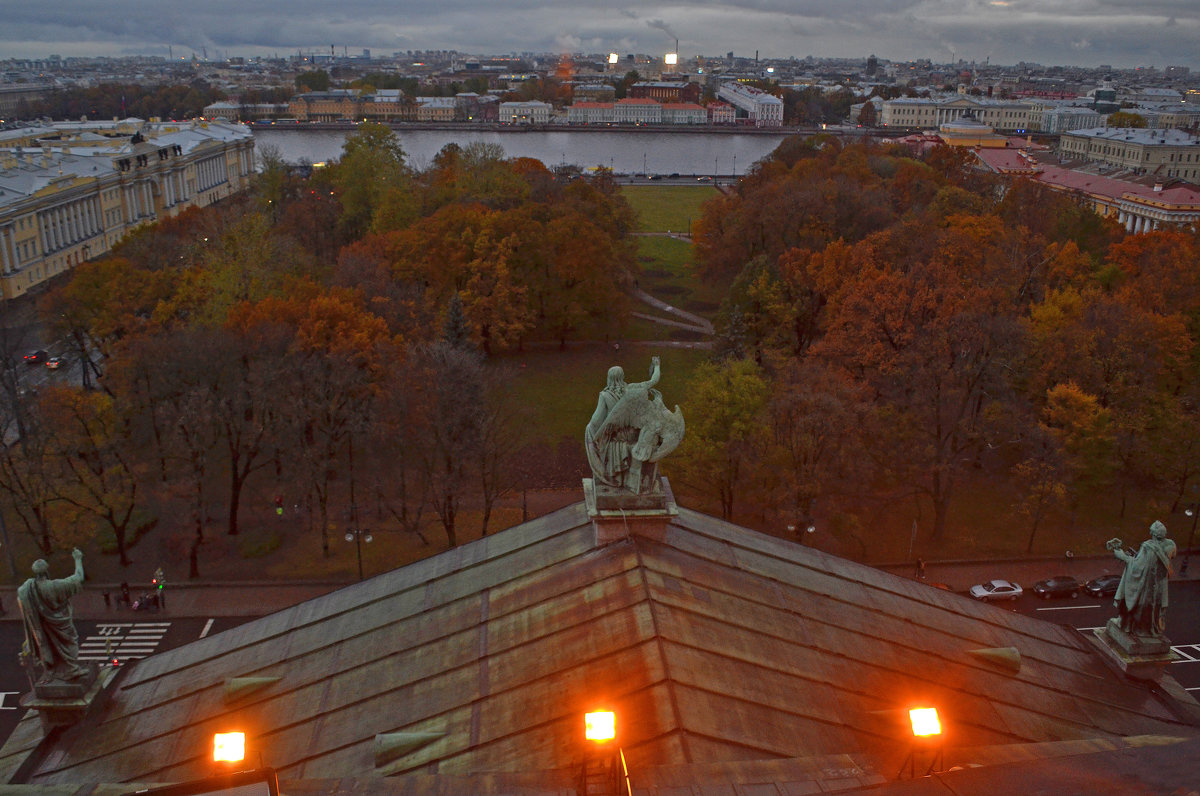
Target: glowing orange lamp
x=925 y=722
x=229 y=747
x=600 y=726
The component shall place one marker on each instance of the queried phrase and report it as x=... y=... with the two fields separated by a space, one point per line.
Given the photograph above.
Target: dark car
x=36 y=357
x=1058 y=586
x=1103 y=586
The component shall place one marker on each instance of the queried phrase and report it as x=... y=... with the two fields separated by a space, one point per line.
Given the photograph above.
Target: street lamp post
x=1193 y=511
x=735 y=165
x=356 y=534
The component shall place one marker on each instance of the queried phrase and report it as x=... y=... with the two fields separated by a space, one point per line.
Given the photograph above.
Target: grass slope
x=663 y=208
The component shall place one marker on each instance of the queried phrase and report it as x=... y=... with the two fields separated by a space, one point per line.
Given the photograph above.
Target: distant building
x=595 y=92
x=436 y=109
x=720 y=113
x=1063 y=118
x=928 y=113
x=590 y=113
x=754 y=105
x=1162 y=153
x=683 y=113
x=531 y=112
x=471 y=107
x=87 y=184
x=1137 y=206
x=12 y=95
x=970 y=132
x=666 y=91
x=325 y=106
x=637 y=111
x=235 y=112
x=1170 y=116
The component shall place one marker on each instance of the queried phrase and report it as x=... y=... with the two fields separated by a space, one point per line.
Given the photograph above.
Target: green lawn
x=667 y=274
x=663 y=208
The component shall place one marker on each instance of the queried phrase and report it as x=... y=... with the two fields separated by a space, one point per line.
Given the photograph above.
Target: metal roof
x=716 y=646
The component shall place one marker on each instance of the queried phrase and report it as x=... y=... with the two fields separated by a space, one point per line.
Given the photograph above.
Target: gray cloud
x=1087 y=32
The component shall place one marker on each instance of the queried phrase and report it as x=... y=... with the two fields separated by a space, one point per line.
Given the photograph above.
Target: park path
x=681 y=319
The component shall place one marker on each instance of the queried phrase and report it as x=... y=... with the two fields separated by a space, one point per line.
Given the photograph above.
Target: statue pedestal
x=61 y=704
x=615 y=513
x=1139 y=657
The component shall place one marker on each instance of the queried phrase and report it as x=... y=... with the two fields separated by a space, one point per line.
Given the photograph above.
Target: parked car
x=36 y=357
x=996 y=590
x=54 y=363
x=1103 y=586
x=1057 y=586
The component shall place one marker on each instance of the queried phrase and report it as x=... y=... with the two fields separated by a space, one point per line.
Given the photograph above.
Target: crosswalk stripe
x=127 y=640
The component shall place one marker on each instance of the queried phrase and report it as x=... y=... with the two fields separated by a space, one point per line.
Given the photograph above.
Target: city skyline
x=1086 y=33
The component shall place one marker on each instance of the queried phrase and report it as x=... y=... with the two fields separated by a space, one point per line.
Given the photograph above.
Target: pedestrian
x=125 y=599
x=107 y=600
x=921 y=568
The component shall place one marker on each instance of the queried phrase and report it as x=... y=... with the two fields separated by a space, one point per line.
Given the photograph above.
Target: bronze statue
x=630 y=429
x=1141 y=597
x=51 y=641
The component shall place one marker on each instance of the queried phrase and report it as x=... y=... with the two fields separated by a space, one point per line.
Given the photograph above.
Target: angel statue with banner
x=630 y=431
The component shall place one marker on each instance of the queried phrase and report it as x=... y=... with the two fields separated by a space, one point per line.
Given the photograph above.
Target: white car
x=996 y=590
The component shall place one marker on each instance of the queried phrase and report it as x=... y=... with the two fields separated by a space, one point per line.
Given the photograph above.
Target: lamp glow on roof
x=229 y=747
x=600 y=726
x=925 y=721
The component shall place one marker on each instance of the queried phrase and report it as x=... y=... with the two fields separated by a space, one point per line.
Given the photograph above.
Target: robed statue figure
x=630 y=431
x=50 y=637
x=1141 y=597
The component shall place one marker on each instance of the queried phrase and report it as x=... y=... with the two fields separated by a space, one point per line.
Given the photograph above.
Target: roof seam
x=672 y=696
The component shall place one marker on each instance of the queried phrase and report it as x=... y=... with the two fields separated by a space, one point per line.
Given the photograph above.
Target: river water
x=625 y=152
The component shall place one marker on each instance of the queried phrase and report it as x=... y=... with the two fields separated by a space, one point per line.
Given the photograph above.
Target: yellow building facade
x=77 y=192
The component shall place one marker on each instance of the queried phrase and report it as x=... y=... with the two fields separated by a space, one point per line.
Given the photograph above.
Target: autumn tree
x=371 y=167
x=448 y=383
x=335 y=355
x=933 y=346
x=167 y=383
x=724 y=404
x=27 y=475
x=1126 y=119
x=95 y=468
x=313 y=80
x=104 y=303
x=816 y=422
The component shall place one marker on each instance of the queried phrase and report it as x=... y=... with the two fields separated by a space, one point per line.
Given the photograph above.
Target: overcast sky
x=1123 y=33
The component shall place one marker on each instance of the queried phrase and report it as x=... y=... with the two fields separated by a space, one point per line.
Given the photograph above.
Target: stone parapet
x=617 y=514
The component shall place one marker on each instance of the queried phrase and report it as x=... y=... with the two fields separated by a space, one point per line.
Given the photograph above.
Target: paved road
x=1086 y=614
x=126 y=637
